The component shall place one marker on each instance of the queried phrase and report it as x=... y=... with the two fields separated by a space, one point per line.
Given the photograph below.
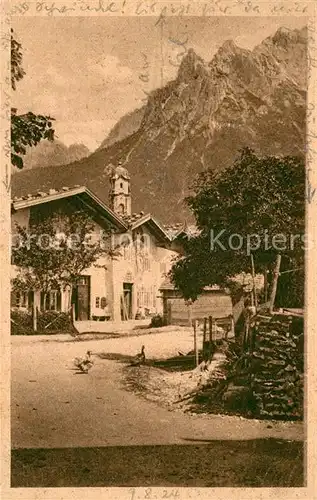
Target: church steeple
x=120 y=194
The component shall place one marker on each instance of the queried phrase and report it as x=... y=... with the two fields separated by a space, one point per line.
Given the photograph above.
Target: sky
x=88 y=72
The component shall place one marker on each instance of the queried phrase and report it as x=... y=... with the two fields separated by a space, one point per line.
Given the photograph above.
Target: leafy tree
x=27 y=129
x=55 y=250
x=249 y=203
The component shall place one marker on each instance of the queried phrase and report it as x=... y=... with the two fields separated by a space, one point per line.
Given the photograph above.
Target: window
x=140 y=297
x=146 y=297
x=121 y=208
x=103 y=302
x=154 y=296
x=146 y=263
x=51 y=301
x=83 y=280
x=121 y=185
x=127 y=252
x=19 y=299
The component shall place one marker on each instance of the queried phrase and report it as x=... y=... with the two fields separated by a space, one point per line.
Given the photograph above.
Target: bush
x=21 y=323
x=157 y=321
x=56 y=322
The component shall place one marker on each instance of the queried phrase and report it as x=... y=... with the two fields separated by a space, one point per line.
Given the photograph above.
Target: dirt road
x=87 y=430
x=52 y=407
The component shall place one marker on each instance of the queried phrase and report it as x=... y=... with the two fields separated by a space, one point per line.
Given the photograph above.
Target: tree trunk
x=190 y=320
x=71 y=311
x=195 y=325
x=34 y=316
x=274 y=282
x=71 y=306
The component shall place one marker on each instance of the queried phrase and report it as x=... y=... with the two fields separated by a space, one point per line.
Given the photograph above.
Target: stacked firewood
x=276 y=367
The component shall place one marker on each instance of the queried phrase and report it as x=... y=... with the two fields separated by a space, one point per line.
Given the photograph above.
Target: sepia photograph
x=159 y=193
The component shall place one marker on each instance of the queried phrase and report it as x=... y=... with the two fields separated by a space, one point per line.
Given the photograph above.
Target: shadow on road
x=253 y=463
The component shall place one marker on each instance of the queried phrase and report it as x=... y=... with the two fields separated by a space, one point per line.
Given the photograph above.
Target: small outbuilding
x=213 y=301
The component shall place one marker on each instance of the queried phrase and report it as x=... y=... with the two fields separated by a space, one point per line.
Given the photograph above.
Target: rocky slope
x=201 y=120
x=125 y=127
x=48 y=153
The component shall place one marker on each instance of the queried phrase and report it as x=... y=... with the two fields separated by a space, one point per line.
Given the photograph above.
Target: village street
x=52 y=407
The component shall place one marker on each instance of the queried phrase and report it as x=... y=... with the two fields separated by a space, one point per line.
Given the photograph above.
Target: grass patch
x=253 y=463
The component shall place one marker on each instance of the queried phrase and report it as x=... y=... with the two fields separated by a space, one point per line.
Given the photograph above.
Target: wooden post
x=246 y=333
x=195 y=342
x=265 y=286
x=210 y=328
x=190 y=320
x=125 y=312
x=204 y=335
x=252 y=298
x=253 y=281
x=34 y=316
x=275 y=280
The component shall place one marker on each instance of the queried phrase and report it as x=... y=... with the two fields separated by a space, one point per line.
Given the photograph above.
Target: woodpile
x=266 y=378
x=277 y=367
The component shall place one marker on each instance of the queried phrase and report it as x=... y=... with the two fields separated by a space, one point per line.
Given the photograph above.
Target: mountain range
x=200 y=120
x=51 y=153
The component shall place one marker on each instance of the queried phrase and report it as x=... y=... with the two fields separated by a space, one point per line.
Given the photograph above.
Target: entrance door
x=82 y=298
x=126 y=312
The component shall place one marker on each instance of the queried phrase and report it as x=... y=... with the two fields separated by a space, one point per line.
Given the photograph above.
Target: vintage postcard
x=158 y=199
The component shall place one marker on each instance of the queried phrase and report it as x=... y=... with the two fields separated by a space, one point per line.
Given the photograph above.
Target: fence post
x=195 y=342
x=190 y=320
x=210 y=328
x=232 y=326
x=275 y=280
x=204 y=337
x=34 y=316
x=210 y=322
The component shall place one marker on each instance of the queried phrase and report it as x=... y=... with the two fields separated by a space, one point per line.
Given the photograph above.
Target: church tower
x=120 y=194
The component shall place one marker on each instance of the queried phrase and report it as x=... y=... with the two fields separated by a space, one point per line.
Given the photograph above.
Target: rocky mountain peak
x=228 y=56
x=228 y=46
x=243 y=98
x=192 y=65
x=285 y=36
x=288 y=49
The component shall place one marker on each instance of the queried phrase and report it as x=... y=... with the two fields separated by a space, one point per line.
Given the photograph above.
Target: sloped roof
x=153 y=225
x=88 y=200
x=54 y=179
x=93 y=202
x=121 y=171
x=168 y=285
x=182 y=230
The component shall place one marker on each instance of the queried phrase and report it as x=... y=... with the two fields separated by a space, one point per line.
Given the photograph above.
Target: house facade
x=122 y=286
